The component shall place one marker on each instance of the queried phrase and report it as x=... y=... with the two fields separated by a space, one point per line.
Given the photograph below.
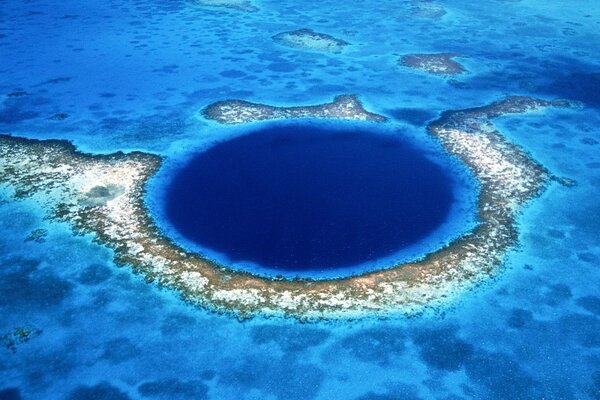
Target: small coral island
x=104 y=195
x=240 y=111
x=308 y=39
x=436 y=64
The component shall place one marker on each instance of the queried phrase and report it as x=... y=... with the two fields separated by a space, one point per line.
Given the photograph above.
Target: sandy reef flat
x=308 y=39
x=104 y=195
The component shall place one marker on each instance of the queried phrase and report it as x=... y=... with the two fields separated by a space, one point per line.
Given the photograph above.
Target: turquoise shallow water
x=135 y=75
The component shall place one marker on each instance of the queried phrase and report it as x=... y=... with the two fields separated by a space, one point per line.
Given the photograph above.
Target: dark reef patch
x=376 y=345
x=590 y=303
x=580 y=328
x=18 y=93
x=443 y=349
x=595 y=389
x=174 y=389
x=289 y=338
x=10 y=394
x=302 y=380
x=175 y=323
x=397 y=392
x=94 y=274
x=37 y=235
x=233 y=73
x=59 y=117
x=30 y=286
x=556 y=294
x=120 y=350
x=54 y=81
x=101 y=391
x=499 y=376
x=18 y=336
x=302 y=197
x=13 y=112
x=588 y=257
x=519 y=318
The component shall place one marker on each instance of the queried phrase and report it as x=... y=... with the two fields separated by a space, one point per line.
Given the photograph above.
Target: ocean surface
x=135 y=75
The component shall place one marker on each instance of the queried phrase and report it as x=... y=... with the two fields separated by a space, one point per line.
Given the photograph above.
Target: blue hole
x=300 y=197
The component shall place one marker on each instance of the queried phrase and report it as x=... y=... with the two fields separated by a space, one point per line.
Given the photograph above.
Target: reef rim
x=63 y=181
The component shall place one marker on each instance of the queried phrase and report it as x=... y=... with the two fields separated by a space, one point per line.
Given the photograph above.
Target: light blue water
x=138 y=75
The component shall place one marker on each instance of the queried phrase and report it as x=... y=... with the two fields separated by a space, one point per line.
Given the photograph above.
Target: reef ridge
x=241 y=111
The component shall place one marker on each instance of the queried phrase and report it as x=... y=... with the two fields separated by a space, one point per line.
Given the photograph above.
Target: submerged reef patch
x=436 y=64
x=19 y=336
x=308 y=39
x=240 y=111
x=427 y=9
x=37 y=235
x=241 y=5
x=58 y=177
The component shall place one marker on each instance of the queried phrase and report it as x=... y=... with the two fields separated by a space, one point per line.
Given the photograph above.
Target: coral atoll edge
x=104 y=195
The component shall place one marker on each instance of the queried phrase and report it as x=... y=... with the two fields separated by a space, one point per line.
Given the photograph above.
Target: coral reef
x=310 y=40
x=240 y=111
x=437 y=64
x=63 y=180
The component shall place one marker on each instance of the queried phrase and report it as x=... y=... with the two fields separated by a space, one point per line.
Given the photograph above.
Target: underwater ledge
x=104 y=195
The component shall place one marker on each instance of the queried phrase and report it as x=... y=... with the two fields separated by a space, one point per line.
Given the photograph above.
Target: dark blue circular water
x=303 y=197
